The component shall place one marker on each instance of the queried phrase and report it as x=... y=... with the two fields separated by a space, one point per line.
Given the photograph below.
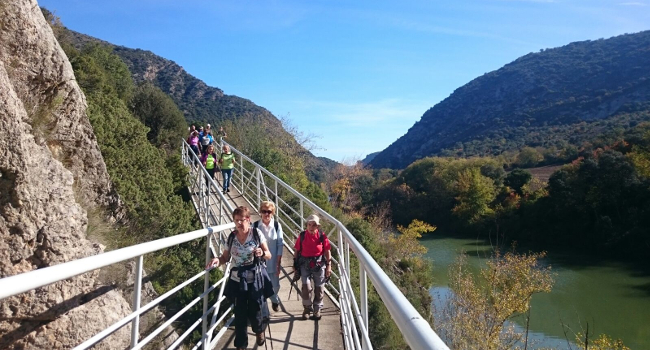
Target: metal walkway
x=345 y=321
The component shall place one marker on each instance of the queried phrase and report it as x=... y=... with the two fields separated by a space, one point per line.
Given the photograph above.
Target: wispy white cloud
x=633 y=4
x=352 y=130
x=537 y=1
x=390 y=110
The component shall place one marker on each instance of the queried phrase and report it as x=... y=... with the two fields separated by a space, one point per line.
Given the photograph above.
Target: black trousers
x=207 y=181
x=246 y=310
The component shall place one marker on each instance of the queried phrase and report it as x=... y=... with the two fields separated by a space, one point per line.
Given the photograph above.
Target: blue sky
x=358 y=74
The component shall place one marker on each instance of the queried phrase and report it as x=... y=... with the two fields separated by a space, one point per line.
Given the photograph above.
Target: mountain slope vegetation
x=556 y=98
x=202 y=104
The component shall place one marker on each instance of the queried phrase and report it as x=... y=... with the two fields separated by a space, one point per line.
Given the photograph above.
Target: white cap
x=314 y=218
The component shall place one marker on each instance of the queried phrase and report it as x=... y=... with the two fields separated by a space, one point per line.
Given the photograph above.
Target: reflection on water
x=607 y=297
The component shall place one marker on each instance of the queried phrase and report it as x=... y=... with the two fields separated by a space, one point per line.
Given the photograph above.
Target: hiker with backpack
x=227 y=163
x=313 y=261
x=249 y=284
x=272 y=231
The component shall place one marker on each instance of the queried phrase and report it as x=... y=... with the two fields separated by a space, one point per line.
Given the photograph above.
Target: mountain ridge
x=582 y=81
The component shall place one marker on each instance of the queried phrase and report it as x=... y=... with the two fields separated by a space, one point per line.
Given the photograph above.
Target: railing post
x=207 y=208
x=206 y=285
x=241 y=175
x=347 y=259
x=363 y=293
x=137 y=289
x=220 y=212
x=259 y=193
x=302 y=216
x=276 y=193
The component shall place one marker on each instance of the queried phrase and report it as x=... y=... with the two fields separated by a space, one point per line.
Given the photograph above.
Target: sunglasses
x=266 y=212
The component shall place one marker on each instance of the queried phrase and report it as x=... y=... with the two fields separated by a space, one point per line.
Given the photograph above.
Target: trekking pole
x=291 y=290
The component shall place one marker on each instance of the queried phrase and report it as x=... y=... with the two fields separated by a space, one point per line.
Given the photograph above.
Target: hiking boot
x=317 y=315
x=260 y=339
x=228 y=190
x=305 y=313
x=275 y=307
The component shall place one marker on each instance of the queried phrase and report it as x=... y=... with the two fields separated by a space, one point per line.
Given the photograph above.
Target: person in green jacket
x=227 y=162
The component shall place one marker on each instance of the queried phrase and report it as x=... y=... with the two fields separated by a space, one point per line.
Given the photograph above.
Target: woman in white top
x=272 y=231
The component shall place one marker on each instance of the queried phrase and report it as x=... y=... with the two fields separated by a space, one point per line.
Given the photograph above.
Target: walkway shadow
x=28 y=325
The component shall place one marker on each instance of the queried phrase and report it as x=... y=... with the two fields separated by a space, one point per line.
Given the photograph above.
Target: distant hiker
x=314 y=261
x=207 y=128
x=193 y=140
x=222 y=133
x=206 y=140
x=249 y=284
x=209 y=161
x=272 y=230
x=227 y=162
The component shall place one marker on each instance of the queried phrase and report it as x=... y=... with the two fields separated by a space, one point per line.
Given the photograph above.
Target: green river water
x=610 y=297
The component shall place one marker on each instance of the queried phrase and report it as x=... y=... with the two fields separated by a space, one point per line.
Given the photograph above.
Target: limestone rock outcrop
x=51 y=172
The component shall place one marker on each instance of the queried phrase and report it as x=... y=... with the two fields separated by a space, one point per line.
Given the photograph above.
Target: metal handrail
x=27 y=281
x=13 y=285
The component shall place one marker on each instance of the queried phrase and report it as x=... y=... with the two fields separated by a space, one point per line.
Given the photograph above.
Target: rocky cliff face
x=51 y=172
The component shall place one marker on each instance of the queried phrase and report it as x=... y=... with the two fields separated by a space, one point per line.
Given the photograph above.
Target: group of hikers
x=202 y=144
x=255 y=251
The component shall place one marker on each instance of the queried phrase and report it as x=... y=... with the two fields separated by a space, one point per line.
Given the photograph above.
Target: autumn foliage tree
x=481 y=305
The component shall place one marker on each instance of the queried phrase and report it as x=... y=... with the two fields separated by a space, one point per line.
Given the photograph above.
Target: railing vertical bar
x=259 y=189
x=276 y=192
x=241 y=175
x=302 y=215
x=137 y=290
x=206 y=286
x=363 y=293
x=206 y=202
x=220 y=211
x=346 y=251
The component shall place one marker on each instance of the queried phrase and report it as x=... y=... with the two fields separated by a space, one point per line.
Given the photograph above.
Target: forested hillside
x=556 y=99
x=203 y=104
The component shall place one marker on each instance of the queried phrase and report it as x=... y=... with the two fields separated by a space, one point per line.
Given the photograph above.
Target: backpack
x=275 y=225
x=298 y=258
x=231 y=238
x=302 y=238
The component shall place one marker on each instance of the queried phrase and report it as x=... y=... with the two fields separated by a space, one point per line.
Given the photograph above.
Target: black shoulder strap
x=302 y=238
x=321 y=235
x=256 y=224
x=231 y=237
x=256 y=235
x=276 y=225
